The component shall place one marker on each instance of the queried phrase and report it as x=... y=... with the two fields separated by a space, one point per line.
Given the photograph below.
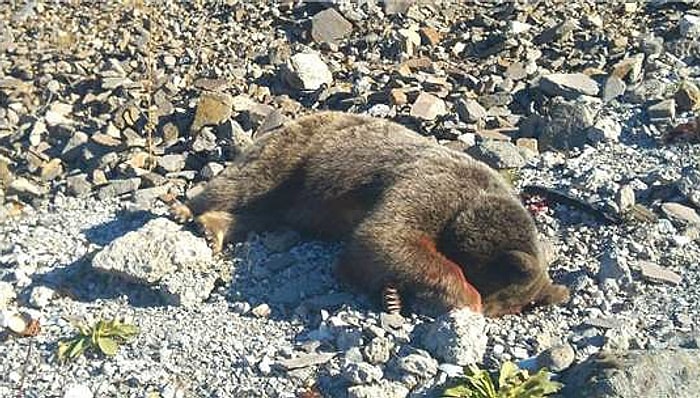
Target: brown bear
x=416 y=216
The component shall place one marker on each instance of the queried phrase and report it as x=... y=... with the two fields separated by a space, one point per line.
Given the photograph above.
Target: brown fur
x=417 y=216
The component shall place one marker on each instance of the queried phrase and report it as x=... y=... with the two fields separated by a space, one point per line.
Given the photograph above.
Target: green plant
x=104 y=336
x=513 y=382
x=511 y=176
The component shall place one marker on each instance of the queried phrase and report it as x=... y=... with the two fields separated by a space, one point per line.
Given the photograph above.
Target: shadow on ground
x=81 y=282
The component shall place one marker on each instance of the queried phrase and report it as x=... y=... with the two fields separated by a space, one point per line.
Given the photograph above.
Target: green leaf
x=127 y=331
x=509 y=370
x=458 y=391
x=78 y=348
x=107 y=345
x=63 y=347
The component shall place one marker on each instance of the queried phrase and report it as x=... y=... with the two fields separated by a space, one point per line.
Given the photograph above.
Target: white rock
x=428 y=107
x=383 y=389
x=77 y=391
x=614 y=266
x=14 y=321
x=261 y=311
x=517 y=27
x=265 y=365
x=161 y=252
x=569 y=85
x=41 y=296
x=56 y=115
x=470 y=110
x=411 y=40
x=625 y=197
x=605 y=130
x=7 y=294
x=457 y=337
x=419 y=364
x=689 y=26
x=557 y=358
x=361 y=372
x=655 y=273
x=307 y=71
x=680 y=214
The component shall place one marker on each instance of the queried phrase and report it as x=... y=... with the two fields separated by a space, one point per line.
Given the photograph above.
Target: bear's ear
x=553 y=294
x=523 y=263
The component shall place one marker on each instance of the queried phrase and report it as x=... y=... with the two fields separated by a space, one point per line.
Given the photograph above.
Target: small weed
x=511 y=176
x=513 y=382
x=104 y=336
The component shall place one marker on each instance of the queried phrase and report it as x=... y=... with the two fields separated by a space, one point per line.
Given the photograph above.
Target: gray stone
x=428 y=107
x=654 y=273
x=7 y=294
x=383 y=389
x=348 y=338
x=272 y=121
x=636 y=374
x=557 y=358
x=495 y=100
x=305 y=360
x=392 y=7
x=687 y=97
x=498 y=154
x=361 y=372
x=211 y=170
x=188 y=287
x=172 y=163
x=329 y=26
x=689 y=26
x=147 y=196
x=457 y=337
x=118 y=187
x=72 y=149
x=569 y=85
x=616 y=339
x=689 y=185
x=26 y=188
x=665 y=109
x=258 y=113
x=566 y=127
x=470 y=111
x=161 y=252
x=625 y=198
x=604 y=130
x=418 y=364
x=41 y=296
x=391 y=322
x=378 y=350
x=78 y=185
x=646 y=90
x=307 y=72
x=614 y=266
x=516 y=71
x=652 y=45
x=614 y=87
x=204 y=141
x=630 y=68
x=680 y=214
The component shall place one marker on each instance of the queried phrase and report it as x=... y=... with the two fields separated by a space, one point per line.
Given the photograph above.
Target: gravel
x=110 y=110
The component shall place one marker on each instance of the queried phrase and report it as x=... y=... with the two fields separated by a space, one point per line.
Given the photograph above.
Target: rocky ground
x=110 y=110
